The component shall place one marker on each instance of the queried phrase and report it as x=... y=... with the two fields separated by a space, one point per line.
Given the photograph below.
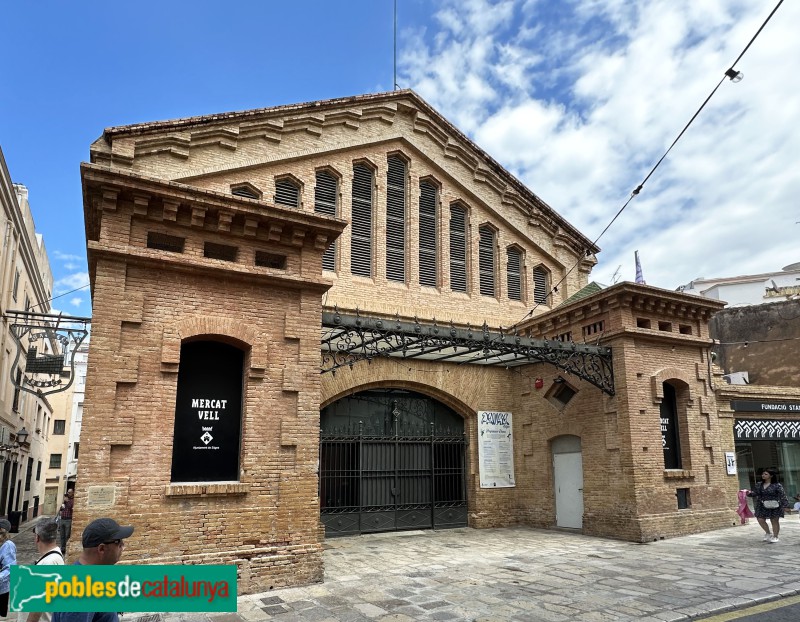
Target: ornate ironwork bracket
x=348 y=339
x=59 y=336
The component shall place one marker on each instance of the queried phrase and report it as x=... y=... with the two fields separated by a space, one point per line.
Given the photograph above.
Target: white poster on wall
x=495 y=449
x=730 y=462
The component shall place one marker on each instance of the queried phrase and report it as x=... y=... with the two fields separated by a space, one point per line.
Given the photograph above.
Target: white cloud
x=76 y=302
x=71 y=282
x=580 y=99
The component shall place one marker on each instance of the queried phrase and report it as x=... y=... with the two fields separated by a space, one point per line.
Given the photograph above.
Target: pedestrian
x=770 y=500
x=103 y=542
x=8 y=558
x=45 y=534
x=796 y=507
x=65 y=518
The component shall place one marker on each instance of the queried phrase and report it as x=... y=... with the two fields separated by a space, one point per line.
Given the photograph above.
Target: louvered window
x=540 y=286
x=245 y=191
x=325 y=203
x=514 y=274
x=427 y=234
x=287 y=193
x=396 y=220
x=486 y=261
x=458 y=249
x=361 y=225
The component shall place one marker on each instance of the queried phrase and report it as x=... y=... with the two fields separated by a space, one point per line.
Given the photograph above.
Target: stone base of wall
x=259 y=569
x=660 y=526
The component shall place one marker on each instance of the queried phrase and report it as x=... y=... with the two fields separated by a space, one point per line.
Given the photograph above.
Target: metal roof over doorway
x=348 y=339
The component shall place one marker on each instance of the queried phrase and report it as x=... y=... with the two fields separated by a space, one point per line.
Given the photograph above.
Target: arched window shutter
x=458 y=249
x=514 y=274
x=325 y=203
x=427 y=234
x=361 y=224
x=486 y=261
x=540 y=286
x=396 y=219
x=287 y=193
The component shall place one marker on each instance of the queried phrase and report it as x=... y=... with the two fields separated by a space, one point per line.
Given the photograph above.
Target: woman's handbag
x=771 y=504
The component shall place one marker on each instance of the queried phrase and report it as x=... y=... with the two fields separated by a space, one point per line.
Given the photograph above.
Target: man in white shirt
x=45 y=534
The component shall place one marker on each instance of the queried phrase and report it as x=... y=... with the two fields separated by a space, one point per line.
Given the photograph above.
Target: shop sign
x=495 y=449
x=208 y=413
x=753 y=406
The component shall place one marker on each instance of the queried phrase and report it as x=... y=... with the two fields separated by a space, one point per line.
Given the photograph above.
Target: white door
x=568 y=471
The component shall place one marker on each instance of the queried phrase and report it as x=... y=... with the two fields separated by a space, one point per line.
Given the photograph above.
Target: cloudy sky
x=578 y=99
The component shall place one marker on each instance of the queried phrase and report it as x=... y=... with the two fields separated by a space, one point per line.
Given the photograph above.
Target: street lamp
x=22 y=436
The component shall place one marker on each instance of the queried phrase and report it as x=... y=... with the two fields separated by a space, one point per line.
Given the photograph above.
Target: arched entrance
x=391 y=460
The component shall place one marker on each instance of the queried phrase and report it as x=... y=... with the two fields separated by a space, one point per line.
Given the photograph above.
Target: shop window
x=458 y=248
x=428 y=201
x=684 y=501
x=486 y=260
x=164 y=242
x=325 y=193
x=287 y=192
x=208 y=413
x=514 y=274
x=361 y=221
x=541 y=286
x=396 y=219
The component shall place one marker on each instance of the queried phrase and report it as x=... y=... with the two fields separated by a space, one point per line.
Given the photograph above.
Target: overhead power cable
x=734 y=76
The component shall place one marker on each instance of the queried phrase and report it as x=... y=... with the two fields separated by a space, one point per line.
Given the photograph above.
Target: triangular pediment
x=197 y=149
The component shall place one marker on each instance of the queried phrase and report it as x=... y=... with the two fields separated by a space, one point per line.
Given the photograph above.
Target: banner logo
x=159 y=588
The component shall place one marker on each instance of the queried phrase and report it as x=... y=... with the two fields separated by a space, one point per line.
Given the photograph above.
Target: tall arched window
x=514 y=273
x=325 y=192
x=428 y=201
x=670 y=429
x=396 y=219
x=208 y=413
x=486 y=261
x=361 y=222
x=458 y=248
x=287 y=193
x=541 y=286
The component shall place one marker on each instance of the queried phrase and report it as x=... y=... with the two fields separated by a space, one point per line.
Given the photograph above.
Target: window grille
x=224 y=252
x=59 y=426
x=540 y=286
x=427 y=234
x=361 y=223
x=514 y=274
x=458 y=248
x=55 y=461
x=325 y=203
x=486 y=261
x=164 y=242
x=245 y=191
x=287 y=193
x=396 y=219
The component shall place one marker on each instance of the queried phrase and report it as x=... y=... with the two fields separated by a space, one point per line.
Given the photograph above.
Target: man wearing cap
x=103 y=541
x=45 y=534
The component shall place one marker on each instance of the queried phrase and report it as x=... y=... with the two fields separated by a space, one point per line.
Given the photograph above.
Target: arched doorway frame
x=368 y=511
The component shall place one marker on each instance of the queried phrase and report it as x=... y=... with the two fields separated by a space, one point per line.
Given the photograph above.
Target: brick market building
x=228 y=254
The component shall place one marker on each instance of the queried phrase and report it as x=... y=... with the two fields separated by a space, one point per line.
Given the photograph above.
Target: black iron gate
x=391 y=461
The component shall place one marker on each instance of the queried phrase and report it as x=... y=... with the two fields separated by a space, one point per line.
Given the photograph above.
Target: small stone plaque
x=101 y=497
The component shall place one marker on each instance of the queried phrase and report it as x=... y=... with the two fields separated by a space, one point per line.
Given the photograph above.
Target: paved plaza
x=524 y=574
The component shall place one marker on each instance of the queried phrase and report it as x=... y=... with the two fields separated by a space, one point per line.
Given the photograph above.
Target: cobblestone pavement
x=521 y=574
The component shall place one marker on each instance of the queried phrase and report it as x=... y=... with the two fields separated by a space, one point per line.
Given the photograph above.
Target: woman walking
x=8 y=558
x=770 y=500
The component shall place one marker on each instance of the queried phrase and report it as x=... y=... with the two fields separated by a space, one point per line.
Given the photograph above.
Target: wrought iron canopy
x=348 y=339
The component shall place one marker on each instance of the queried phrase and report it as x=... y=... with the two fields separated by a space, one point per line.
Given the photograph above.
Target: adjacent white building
x=753 y=289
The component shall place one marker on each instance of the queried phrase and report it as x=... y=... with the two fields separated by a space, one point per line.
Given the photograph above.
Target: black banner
x=208 y=413
x=752 y=406
x=670 y=440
